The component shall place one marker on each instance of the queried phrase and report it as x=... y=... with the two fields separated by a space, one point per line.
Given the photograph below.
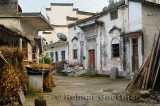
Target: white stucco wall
x=59 y=13
x=28 y=29
x=57 y=16
x=122 y=23
x=58 y=49
x=135 y=24
x=103 y=39
x=131 y=18
x=151 y=26
x=16 y=23
x=74 y=44
x=135 y=16
x=10 y=22
x=53 y=36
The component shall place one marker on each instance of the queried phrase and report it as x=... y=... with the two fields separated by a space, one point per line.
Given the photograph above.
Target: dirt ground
x=83 y=91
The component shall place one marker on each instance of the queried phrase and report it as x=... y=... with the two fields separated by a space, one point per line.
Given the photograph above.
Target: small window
x=63 y=55
x=135 y=41
x=51 y=55
x=114 y=14
x=74 y=53
x=115 y=50
x=47 y=32
x=51 y=42
x=56 y=56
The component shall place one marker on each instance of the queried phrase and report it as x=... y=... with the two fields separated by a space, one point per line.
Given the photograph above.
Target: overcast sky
x=84 y=5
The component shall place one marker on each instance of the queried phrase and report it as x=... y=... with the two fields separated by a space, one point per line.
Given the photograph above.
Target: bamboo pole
x=157 y=70
x=157 y=53
x=144 y=80
x=156 y=76
x=151 y=62
x=42 y=71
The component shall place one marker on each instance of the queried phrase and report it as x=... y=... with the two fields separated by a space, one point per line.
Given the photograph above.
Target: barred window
x=115 y=50
x=74 y=53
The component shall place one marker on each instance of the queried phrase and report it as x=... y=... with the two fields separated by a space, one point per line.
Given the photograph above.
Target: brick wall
x=8 y=7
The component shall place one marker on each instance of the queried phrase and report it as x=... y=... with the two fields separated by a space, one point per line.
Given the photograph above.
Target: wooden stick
x=156 y=76
x=157 y=53
x=150 y=65
x=144 y=80
x=157 y=71
x=141 y=78
x=136 y=75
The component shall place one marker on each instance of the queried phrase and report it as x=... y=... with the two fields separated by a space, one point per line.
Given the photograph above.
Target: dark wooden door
x=92 y=60
x=135 y=55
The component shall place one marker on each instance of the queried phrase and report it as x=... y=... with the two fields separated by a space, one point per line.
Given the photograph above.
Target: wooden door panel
x=92 y=60
x=135 y=58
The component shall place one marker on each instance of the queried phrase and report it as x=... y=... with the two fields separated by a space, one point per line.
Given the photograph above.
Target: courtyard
x=86 y=91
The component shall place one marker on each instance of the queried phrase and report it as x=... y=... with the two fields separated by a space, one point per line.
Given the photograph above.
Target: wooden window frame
x=52 y=56
x=112 y=13
x=75 y=51
x=63 y=57
x=56 y=54
x=45 y=32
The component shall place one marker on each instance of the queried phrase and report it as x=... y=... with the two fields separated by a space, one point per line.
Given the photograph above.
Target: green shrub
x=47 y=60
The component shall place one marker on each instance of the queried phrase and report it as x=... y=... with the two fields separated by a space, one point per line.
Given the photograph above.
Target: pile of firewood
x=149 y=73
x=59 y=66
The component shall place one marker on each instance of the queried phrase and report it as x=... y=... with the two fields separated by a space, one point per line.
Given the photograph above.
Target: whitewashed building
x=114 y=38
x=60 y=15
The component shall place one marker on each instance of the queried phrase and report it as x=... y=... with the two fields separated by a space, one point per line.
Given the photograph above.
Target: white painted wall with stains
x=58 y=49
x=110 y=37
x=131 y=18
x=104 y=42
x=55 y=14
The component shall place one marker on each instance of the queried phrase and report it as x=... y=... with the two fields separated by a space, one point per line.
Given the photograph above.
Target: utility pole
x=41 y=101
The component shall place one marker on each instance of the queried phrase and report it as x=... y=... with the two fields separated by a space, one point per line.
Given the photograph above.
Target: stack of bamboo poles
x=147 y=76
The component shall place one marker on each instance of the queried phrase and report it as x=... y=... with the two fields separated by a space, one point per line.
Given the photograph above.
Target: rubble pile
x=148 y=76
x=74 y=71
